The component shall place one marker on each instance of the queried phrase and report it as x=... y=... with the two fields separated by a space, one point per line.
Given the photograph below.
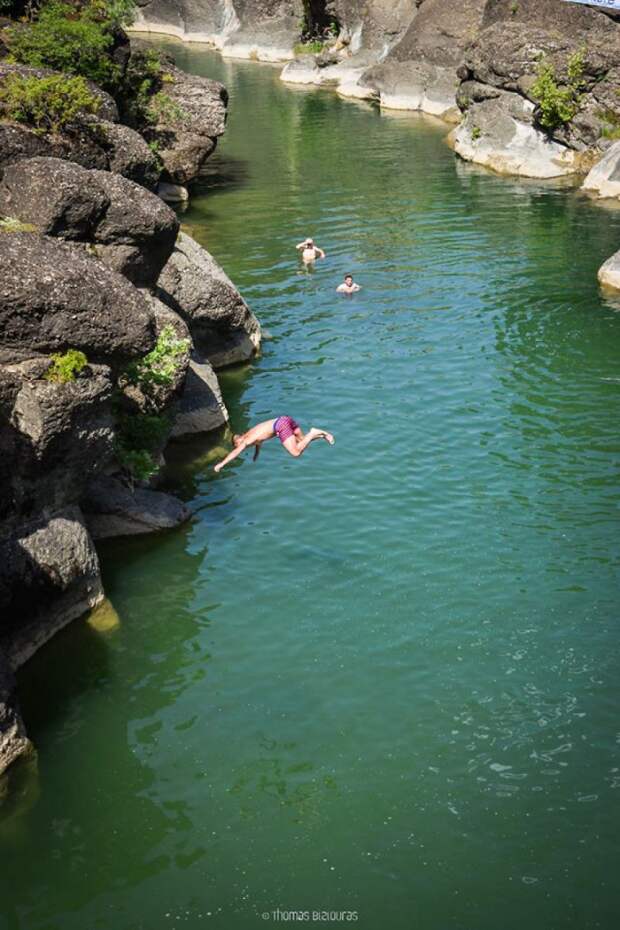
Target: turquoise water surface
x=382 y=679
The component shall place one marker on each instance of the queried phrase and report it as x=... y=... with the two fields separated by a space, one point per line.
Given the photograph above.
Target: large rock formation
x=503 y=126
x=132 y=230
x=93 y=141
x=81 y=242
x=54 y=296
x=114 y=508
x=186 y=115
x=266 y=30
x=221 y=323
x=419 y=72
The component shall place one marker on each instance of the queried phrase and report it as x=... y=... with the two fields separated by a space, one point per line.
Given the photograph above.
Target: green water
x=381 y=679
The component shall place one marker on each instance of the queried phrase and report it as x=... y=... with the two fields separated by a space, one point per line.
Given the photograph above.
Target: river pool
x=380 y=680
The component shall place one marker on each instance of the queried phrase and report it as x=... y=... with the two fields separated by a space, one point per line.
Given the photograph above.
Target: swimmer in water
x=348 y=286
x=288 y=432
x=309 y=251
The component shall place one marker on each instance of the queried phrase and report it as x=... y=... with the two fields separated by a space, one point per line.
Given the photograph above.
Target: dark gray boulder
x=49 y=575
x=222 y=325
x=137 y=231
x=112 y=508
x=63 y=434
x=201 y=408
x=53 y=195
x=132 y=229
x=54 y=296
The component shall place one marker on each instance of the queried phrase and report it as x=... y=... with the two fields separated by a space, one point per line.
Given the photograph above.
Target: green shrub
x=46 y=103
x=557 y=105
x=8 y=224
x=312 y=47
x=144 y=78
x=162 y=108
x=476 y=133
x=66 y=367
x=138 y=462
x=160 y=366
x=74 y=40
x=611 y=123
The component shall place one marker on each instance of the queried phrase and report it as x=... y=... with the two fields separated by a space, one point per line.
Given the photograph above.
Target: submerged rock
x=196 y=287
x=604 y=178
x=114 y=509
x=54 y=296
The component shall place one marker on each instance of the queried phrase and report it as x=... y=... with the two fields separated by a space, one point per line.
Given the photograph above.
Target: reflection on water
x=380 y=678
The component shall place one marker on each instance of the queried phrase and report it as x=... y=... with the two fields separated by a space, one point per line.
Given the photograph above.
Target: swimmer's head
x=236 y=440
x=309 y=241
x=348 y=279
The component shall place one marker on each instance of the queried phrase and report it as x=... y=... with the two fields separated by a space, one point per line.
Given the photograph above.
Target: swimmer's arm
x=231 y=455
x=301 y=245
x=320 y=252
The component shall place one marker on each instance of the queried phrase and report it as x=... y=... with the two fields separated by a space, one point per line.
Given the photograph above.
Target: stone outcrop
x=222 y=325
x=604 y=178
x=419 y=71
x=609 y=272
x=49 y=575
x=201 y=407
x=54 y=296
x=115 y=509
x=84 y=245
x=502 y=127
x=187 y=115
x=132 y=230
x=265 y=30
x=62 y=433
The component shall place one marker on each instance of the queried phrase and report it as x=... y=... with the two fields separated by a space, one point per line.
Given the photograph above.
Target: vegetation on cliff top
x=48 y=104
x=66 y=366
x=558 y=104
x=76 y=38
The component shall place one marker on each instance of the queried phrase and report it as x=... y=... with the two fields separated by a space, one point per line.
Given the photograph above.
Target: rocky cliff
x=112 y=324
x=534 y=87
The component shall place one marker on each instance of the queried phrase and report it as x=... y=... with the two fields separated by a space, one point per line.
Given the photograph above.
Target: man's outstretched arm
x=231 y=455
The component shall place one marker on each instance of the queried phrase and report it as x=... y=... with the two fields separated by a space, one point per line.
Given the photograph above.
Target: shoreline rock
x=609 y=272
x=222 y=325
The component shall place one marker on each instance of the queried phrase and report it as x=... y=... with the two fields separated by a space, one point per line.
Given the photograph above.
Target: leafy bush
x=66 y=367
x=476 y=133
x=162 y=108
x=312 y=47
x=160 y=366
x=74 y=40
x=557 y=105
x=8 y=224
x=138 y=462
x=46 y=103
x=143 y=79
